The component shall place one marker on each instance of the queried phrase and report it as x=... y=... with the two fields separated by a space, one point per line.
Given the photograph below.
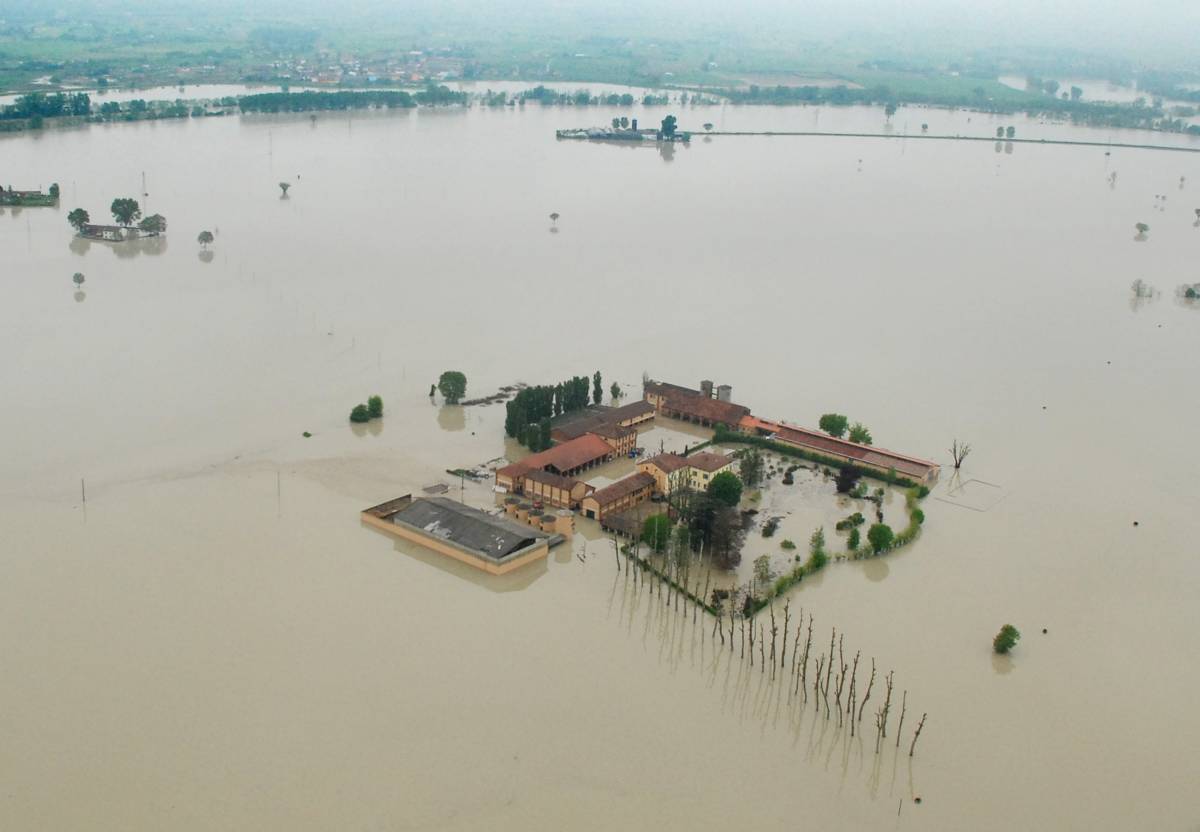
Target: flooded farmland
x=214 y=639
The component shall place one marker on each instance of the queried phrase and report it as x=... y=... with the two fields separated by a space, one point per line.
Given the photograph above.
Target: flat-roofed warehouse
x=493 y=544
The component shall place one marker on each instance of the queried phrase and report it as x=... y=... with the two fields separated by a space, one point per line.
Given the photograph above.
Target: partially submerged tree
x=708 y=126
x=154 y=224
x=453 y=386
x=835 y=424
x=554 y=217
x=615 y=391
x=1142 y=228
x=847 y=477
x=1006 y=639
x=668 y=127
x=78 y=218
x=1009 y=132
x=204 y=238
x=656 y=532
x=78 y=278
x=375 y=407
x=880 y=537
x=959 y=451
x=751 y=466
x=726 y=488
x=860 y=434
x=360 y=414
x=125 y=211
x=283 y=186
x=597 y=389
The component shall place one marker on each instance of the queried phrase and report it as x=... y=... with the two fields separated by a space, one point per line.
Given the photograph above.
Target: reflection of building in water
x=494 y=544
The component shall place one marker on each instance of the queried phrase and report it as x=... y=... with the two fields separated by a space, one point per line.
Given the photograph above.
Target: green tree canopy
x=204 y=238
x=125 y=210
x=656 y=532
x=860 y=434
x=834 y=424
x=668 y=127
x=597 y=388
x=360 y=414
x=615 y=390
x=727 y=488
x=375 y=407
x=453 y=386
x=154 y=222
x=1006 y=639
x=880 y=537
x=78 y=218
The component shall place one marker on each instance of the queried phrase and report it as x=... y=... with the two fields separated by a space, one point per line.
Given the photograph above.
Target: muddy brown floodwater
x=215 y=641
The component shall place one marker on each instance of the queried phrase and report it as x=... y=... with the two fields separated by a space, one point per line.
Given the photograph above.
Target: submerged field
x=215 y=640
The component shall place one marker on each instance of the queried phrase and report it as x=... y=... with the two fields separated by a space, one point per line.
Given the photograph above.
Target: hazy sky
x=1152 y=31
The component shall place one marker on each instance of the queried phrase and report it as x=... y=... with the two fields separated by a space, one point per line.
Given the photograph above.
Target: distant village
x=542 y=494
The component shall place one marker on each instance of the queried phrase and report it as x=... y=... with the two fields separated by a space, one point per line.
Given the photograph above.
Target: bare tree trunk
x=762 y=656
x=804 y=663
x=817 y=683
x=916 y=734
x=900 y=725
x=870 y=685
x=887 y=700
x=773 y=631
x=751 y=639
x=783 y=644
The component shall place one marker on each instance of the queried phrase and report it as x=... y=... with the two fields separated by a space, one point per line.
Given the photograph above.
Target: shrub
x=787 y=544
x=855 y=519
x=360 y=414
x=846 y=479
x=1006 y=639
x=375 y=407
x=770 y=526
x=922 y=492
x=852 y=540
x=917 y=516
x=880 y=537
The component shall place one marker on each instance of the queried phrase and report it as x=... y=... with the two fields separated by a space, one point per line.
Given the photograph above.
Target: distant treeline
x=578 y=98
x=298 y=102
x=1093 y=113
x=41 y=105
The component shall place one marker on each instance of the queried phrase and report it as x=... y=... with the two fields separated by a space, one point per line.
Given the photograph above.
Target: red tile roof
x=868 y=454
x=706 y=461
x=622 y=488
x=668 y=463
x=702 y=407
x=570 y=455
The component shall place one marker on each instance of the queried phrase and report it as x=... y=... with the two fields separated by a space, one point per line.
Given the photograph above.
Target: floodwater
x=214 y=640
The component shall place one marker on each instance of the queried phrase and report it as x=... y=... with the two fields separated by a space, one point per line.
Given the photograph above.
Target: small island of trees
x=125 y=212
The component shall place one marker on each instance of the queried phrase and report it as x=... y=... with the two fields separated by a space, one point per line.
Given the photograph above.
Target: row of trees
x=125 y=211
x=297 y=102
x=532 y=405
x=836 y=425
x=41 y=105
